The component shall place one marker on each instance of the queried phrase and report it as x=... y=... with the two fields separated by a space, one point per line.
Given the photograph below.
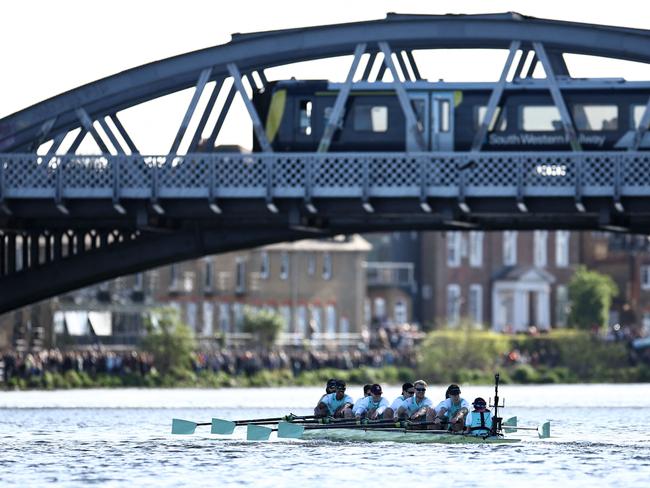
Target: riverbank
x=521 y=374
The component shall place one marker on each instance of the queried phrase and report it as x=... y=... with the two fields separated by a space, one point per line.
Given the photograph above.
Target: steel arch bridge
x=68 y=220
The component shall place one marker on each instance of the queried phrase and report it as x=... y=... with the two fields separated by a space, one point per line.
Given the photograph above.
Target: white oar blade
x=544 y=431
x=288 y=430
x=258 y=433
x=183 y=427
x=510 y=425
x=220 y=426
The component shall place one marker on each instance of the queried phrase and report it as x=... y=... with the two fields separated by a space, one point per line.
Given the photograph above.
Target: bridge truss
x=69 y=220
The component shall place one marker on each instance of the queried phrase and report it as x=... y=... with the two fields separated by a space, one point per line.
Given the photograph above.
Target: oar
x=543 y=431
x=219 y=426
x=180 y=426
x=227 y=427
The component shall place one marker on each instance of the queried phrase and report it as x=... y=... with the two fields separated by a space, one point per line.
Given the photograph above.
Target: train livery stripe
x=276 y=111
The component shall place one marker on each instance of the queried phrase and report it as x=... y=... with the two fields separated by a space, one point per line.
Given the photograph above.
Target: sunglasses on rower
x=420 y=389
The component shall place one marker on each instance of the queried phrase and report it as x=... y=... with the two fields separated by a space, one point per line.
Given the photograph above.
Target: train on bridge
x=606 y=114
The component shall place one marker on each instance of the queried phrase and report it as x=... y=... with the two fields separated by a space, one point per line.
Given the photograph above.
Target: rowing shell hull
x=359 y=435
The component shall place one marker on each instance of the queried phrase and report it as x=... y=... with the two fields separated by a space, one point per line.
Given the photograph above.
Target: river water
x=114 y=438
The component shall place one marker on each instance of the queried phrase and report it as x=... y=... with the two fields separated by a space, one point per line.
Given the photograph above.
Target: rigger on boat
x=372 y=420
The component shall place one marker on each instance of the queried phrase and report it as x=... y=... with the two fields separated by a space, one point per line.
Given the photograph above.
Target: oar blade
x=220 y=426
x=510 y=425
x=183 y=427
x=258 y=433
x=288 y=430
x=544 y=431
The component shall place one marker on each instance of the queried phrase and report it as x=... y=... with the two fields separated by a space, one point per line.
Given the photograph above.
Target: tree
x=264 y=326
x=591 y=294
x=170 y=341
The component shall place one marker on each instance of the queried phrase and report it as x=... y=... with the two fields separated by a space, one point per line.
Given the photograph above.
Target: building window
x=379 y=308
x=453 y=248
x=316 y=323
x=595 y=117
x=330 y=312
x=475 y=303
x=173 y=277
x=344 y=325
x=510 y=247
x=138 y=284
x=208 y=319
x=540 y=237
x=311 y=264
x=208 y=276
x=224 y=318
x=453 y=304
x=264 y=265
x=369 y=118
x=285 y=312
x=301 y=320
x=327 y=266
x=476 y=249
x=238 y=316
x=645 y=277
x=400 y=313
x=192 y=312
x=561 y=305
x=240 y=276
x=284 y=265
x=562 y=248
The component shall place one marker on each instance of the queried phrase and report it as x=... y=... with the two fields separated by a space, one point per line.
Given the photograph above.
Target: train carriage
x=605 y=114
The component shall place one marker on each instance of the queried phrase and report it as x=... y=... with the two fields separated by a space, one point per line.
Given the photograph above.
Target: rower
x=366 y=394
x=338 y=404
x=330 y=387
x=479 y=420
x=407 y=392
x=374 y=406
x=451 y=411
x=418 y=406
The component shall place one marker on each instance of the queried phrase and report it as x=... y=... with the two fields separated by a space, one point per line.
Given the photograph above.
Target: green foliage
x=170 y=341
x=443 y=353
x=264 y=325
x=591 y=294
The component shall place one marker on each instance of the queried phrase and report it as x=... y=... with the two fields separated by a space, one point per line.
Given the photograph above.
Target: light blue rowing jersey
x=333 y=404
x=367 y=404
x=412 y=405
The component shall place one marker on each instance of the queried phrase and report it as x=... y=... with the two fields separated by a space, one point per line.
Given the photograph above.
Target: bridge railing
x=332 y=175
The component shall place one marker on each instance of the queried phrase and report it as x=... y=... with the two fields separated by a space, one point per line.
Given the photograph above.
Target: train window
x=499 y=115
x=305 y=117
x=371 y=118
x=542 y=118
x=443 y=115
x=637 y=113
x=595 y=117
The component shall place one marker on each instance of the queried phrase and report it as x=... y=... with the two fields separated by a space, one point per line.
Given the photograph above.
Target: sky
x=51 y=47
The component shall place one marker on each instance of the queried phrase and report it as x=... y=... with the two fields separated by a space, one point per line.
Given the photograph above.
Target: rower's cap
x=331 y=383
x=375 y=389
x=453 y=390
x=479 y=403
x=340 y=385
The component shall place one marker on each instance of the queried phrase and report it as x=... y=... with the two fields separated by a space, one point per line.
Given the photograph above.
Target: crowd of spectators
x=35 y=364
x=230 y=361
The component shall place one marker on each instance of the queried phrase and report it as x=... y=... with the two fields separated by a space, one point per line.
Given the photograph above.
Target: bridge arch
x=25 y=130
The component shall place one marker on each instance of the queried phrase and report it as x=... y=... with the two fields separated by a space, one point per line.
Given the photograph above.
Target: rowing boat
x=401 y=435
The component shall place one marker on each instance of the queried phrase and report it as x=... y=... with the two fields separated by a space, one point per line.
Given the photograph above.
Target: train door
x=442 y=121
x=419 y=102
